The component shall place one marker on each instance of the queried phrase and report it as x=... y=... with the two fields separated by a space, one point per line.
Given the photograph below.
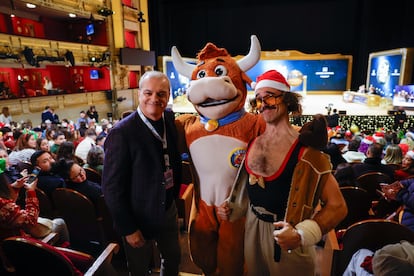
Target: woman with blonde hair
x=393 y=156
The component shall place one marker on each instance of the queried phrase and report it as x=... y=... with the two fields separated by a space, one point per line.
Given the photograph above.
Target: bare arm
x=334 y=207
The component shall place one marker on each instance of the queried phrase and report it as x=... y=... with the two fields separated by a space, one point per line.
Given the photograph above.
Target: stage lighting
x=104 y=11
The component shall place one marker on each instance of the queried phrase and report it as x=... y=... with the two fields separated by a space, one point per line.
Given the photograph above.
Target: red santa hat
x=273 y=79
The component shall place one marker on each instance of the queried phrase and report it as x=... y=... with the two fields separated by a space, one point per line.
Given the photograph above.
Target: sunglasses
x=269 y=100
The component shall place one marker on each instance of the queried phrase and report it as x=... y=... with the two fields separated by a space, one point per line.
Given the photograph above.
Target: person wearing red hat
x=286 y=180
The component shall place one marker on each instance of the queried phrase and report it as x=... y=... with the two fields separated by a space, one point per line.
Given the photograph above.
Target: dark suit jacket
x=133 y=176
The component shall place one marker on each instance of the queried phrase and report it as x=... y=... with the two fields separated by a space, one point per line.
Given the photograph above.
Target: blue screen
x=178 y=82
x=384 y=73
x=94 y=74
x=90 y=29
x=404 y=96
x=322 y=75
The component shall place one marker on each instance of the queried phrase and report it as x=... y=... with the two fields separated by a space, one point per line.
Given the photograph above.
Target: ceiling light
x=30 y=5
x=72 y=15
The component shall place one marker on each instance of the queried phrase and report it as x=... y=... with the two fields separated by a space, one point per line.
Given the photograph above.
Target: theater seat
x=370 y=234
x=32 y=257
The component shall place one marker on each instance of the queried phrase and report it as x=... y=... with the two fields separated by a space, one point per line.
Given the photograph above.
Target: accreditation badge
x=169 y=179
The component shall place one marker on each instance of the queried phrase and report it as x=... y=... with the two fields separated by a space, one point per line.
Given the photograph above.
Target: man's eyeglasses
x=269 y=100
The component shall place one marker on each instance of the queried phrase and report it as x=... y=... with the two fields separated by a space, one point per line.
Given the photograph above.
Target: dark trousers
x=168 y=244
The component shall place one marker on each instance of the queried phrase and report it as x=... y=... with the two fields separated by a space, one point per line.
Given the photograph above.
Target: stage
x=313 y=104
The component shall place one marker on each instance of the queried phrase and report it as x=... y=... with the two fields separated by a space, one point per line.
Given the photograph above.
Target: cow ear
x=314 y=133
x=246 y=79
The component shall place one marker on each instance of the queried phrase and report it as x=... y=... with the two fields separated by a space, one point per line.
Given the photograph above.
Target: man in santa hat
x=286 y=181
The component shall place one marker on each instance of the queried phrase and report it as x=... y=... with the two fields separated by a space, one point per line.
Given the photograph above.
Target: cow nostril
x=227 y=80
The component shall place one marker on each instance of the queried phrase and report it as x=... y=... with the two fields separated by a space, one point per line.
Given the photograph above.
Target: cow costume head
x=218 y=82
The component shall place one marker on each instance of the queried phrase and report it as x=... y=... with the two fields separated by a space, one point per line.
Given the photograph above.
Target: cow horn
x=252 y=57
x=184 y=68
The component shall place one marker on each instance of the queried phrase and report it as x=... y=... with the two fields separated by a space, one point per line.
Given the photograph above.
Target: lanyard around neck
x=163 y=139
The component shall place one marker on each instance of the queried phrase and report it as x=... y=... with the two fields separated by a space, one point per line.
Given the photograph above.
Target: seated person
x=334 y=151
x=25 y=147
x=392 y=259
x=347 y=176
x=11 y=172
x=75 y=178
x=353 y=155
x=15 y=221
x=402 y=192
x=58 y=138
x=95 y=159
x=407 y=166
x=48 y=180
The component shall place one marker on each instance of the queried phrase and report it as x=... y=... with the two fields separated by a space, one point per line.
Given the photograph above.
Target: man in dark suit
x=142 y=176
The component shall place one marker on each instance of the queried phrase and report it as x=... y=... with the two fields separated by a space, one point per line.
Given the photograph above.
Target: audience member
x=42 y=144
x=93 y=114
x=11 y=172
x=95 y=159
x=82 y=119
x=333 y=119
x=400 y=117
x=100 y=140
x=347 y=176
x=67 y=152
x=335 y=154
x=75 y=178
x=58 y=138
x=353 y=155
x=48 y=181
x=402 y=192
x=25 y=147
x=5 y=116
x=393 y=156
x=47 y=114
x=407 y=166
x=7 y=138
x=15 y=221
x=391 y=259
x=55 y=117
x=86 y=144
x=48 y=85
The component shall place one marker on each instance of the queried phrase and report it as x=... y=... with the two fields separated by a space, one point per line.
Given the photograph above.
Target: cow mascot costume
x=217 y=140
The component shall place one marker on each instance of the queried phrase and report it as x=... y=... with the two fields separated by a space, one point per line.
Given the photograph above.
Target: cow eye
x=220 y=70
x=201 y=74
